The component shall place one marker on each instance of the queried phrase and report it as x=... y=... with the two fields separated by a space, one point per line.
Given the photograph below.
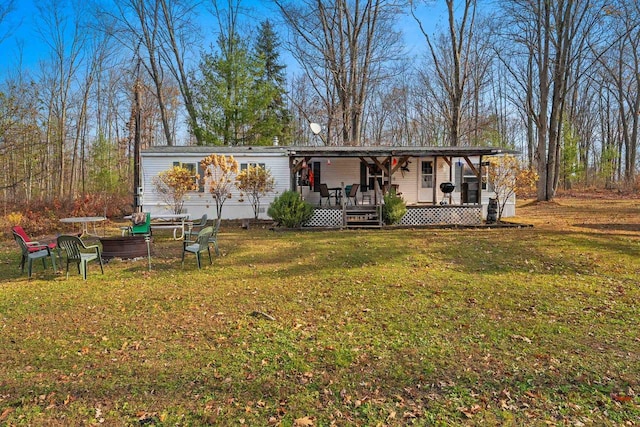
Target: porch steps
x=362 y=216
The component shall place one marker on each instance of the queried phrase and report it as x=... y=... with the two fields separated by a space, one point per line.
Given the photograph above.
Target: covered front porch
x=414 y=173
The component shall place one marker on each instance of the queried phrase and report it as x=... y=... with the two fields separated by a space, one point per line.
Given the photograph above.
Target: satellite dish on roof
x=315 y=128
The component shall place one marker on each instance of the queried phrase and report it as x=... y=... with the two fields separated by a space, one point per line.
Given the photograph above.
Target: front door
x=425 y=181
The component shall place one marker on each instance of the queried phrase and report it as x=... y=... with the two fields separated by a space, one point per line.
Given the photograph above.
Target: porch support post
x=435 y=180
x=472 y=166
x=294 y=169
x=292 y=175
x=452 y=180
x=480 y=182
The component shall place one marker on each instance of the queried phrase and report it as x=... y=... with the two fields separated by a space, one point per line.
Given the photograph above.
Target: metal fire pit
x=126 y=247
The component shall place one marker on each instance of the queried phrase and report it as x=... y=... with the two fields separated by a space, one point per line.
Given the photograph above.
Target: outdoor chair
x=196 y=227
x=325 y=194
x=30 y=252
x=352 y=193
x=140 y=224
x=214 y=237
x=198 y=246
x=80 y=254
x=33 y=245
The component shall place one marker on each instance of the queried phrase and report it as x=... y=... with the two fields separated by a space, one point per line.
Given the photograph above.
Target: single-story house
x=416 y=173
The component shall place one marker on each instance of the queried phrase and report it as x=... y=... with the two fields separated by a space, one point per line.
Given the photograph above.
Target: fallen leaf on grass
x=507 y=406
x=620 y=398
x=6 y=413
x=520 y=337
x=471 y=411
x=532 y=395
x=303 y=422
x=408 y=415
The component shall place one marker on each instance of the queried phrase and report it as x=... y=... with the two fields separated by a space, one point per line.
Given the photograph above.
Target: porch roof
x=337 y=151
x=380 y=151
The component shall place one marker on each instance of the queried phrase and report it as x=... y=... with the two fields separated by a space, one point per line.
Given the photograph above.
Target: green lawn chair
x=196 y=227
x=198 y=246
x=78 y=253
x=142 y=229
x=214 y=237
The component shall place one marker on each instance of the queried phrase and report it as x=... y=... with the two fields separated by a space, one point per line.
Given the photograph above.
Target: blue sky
x=25 y=35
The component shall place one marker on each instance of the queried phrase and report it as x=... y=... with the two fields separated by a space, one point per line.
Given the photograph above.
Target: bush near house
x=173 y=184
x=289 y=210
x=507 y=177
x=256 y=182
x=394 y=208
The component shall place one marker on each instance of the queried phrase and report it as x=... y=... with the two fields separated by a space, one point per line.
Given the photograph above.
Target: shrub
x=220 y=173
x=393 y=209
x=508 y=176
x=290 y=210
x=256 y=181
x=173 y=184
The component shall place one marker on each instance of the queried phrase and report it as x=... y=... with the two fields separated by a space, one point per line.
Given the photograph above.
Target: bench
x=170 y=225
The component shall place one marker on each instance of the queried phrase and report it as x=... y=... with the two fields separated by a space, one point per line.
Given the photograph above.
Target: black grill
x=447 y=187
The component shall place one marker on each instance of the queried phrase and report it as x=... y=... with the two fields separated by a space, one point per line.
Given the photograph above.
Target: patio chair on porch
x=80 y=254
x=352 y=193
x=29 y=253
x=200 y=245
x=325 y=194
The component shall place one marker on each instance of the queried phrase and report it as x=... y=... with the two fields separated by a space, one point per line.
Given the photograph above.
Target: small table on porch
x=337 y=193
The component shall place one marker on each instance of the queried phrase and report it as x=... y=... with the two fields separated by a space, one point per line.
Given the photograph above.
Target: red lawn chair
x=32 y=246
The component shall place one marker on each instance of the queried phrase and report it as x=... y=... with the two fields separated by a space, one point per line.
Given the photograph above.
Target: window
x=469 y=176
x=427 y=174
x=196 y=171
x=245 y=166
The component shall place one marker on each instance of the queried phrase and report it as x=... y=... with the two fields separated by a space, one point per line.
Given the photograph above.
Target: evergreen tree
x=276 y=119
x=231 y=96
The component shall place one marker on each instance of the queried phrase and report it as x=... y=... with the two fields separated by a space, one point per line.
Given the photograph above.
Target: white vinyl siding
x=199 y=203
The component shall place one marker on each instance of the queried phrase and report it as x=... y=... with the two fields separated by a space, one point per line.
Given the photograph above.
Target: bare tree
x=345 y=48
x=139 y=26
x=451 y=56
x=22 y=148
x=179 y=34
x=66 y=48
x=622 y=64
x=6 y=8
x=554 y=35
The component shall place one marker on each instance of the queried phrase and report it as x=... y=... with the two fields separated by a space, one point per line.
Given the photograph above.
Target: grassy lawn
x=508 y=326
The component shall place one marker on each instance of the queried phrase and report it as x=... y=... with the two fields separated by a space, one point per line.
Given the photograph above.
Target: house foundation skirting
x=326 y=217
x=447 y=214
x=332 y=217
